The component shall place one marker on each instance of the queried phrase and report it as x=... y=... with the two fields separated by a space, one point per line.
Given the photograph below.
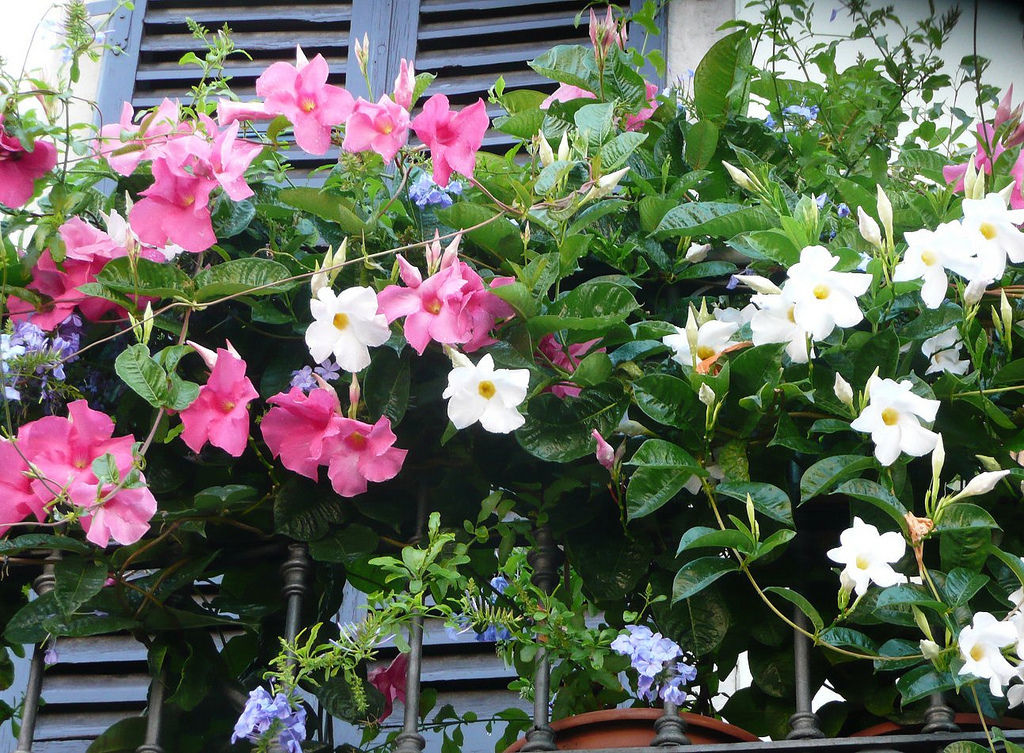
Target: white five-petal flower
x=712 y=338
x=981 y=645
x=943 y=353
x=346 y=325
x=824 y=298
x=775 y=322
x=994 y=226
x=931 y=252
x=483 y=393
x=868 y=556
x=893 y=418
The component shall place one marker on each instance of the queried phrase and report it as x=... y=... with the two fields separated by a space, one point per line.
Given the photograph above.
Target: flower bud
x=885 y=214
x=869 y=229
x=605 y=454
x=974 y=291
x=458 y=359
x=405 y=84
x=938 y=460
x=362 y=51
x=563 y=146
x=760 y=284
x=544 y=148
x=301 y=61
x=692 y=329
x=740 y=177
x=697 y=252
x=983 y=483
x=843 y=390
x=354 y=394
x=451 y=252
x=930 y=649
x=707 y=395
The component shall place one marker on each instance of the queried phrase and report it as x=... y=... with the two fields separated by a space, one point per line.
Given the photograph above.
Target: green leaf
x=906 y=595
x=713 y=218
x=344 y=545
x=933 y=321
x=77 y=581
x=800 y=603
x=826 y=473
x=877 y=495
x=142 y=374
x=325 y=206
x=700 y=537
x=340 y=702
x=123 y=736
x=499 y=236
x=768 y=499
x=42 y=617
x=720 y=76
x=706 y=269
x=701 y=143
x=43 y=541
x=224 y=497
x=898 y=647
x=615 y=153
x=595 y=122
x=143 y=277
x=305 y=511
x=960 y=585
x=593 y=370
x=848 y=638
x=559 y=430
x=594 y=305
x=662 y=471
x=242 y=276
x=552 y=175
x=922 y=681
x=668 y=400
x=523 y=125
x=695 y=576
x=233 y=217
x=569 y=64
x=963 y=516
x=386 y=386
x=699 y=624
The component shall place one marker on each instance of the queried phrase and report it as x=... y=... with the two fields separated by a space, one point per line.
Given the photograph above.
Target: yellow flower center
x=387 y=127
x=356 y=441
x=977 y=653
x=988 y=230
x=308 y=105
x=789 y=314
x=486 y=389
x=340 y=321
x=890 y=416
x=433 y=306
x=188 y=200
x=862 y=562
x=821 y=292
x=705 y=351
x=227 y=406
x=927 y=258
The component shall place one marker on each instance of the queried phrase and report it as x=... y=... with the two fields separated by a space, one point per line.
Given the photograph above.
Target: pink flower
x=636 y=122
x=220 y=415
x=382 y=127
x=450 y=307
x=20 y=168
x=62 y=450
x=224 y=159
x=390 y=681
x=605 y=452
x=229 y=111
x=453 y=138
x=175 y=210
x=567 y=93
x=359 y=453
x=17 y=501
x=304 y=97
x=297 y=425
x=405 y=84
x=1017 y=171
x=125 y=144
x=567 y=361
x=986 y=134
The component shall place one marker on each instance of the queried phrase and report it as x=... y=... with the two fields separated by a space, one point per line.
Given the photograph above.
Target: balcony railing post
x=154 y=716
x=938 y=717
x=294 y=586
x=42 y=584
x=545 y=560
x=803 y=725
x=409 y=739
x=669 y=728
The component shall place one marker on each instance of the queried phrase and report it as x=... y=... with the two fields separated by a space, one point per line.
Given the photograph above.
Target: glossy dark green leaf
x=224 y=497
x=344 y=544
x=143 y=277
x=76 y=581
x=305 y=511
x=963 y=516
x=695 y=576
x=668 y=400
x=801 y=603
x=768 y=499
x=142 y=374
x=340 y=702
x=877 y=495
x=922 y=681
x=386 y=386
x=594 y=305
x=718 y=78
x=252 y=276
x=821 y=477
x=560 y=430
x=662 y=470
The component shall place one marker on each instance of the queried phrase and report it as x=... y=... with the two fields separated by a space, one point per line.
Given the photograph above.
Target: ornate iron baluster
x=670 y=728
x=410 y=740
x=938 y=717
x=544 y=559
x=154 y=716
x=42 y=584
x=803 y=725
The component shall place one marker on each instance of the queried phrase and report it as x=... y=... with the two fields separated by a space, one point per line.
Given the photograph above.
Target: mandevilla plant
x=745 y=348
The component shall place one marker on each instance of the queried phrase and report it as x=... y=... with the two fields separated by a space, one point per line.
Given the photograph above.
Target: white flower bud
x=563 y=146
x=740 y=177
x=692 y=329
x=885 y=213
x=458 y=359
x=301 y=61
x=1005 y=313
x=938 y=460
x=544 y=150
x=869 y=229
x=930 y=649
x=843 y=390
x=974 y=182
x=760 y=284
x=974 y=291
x=707 y=395
x=983 y=483
x=697 y=252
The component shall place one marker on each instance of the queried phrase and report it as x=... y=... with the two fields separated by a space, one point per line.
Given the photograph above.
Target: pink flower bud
x=605 y=453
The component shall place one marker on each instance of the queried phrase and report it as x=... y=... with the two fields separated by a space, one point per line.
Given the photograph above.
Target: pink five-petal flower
x=17 y=501
x=359 y=453
x=175 y=210
x=123 y=518
x=381 y=127
x=125 y=144
x=390 y=681
x=304 y=97
x=568 y=361
x=636 y=122
x=453 y=138
x=20 y=168
x=566 y=93
x=297 y=425
x=220 y=414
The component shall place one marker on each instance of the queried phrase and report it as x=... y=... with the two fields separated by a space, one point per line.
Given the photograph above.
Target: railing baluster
x=42 y=584
x=544 y=559
x=670 y=729
x=154 y=716
x=938 y=717
x=410 y=740
x=803 y=725
x=294 y=576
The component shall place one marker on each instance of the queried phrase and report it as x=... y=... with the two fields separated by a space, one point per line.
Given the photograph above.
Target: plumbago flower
x=868 y=556
x=482 y=393
x=893 y=418
x=981 y=645
x=453 y=138
x=346 y=325
x=657 y=662
x=265 y=715
x=20 y=168
x=219 y=415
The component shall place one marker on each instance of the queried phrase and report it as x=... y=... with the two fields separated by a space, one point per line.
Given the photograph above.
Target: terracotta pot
x=633 y=728
x=966 y=722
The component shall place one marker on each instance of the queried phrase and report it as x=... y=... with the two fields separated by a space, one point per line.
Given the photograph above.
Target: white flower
x=346 y=325
x=485 y=394
x=993 y=225
x=697 y=252
x=1015 y=695
x=943 y=353
x=774 y=322
x=843 y=390
x=981 y=645
x=868 y=556
x=893 y=417
x=983 y=483
x=1017 y=597
x=736 y=316
x=929 y=254
x=824 y=298
x=712 y=338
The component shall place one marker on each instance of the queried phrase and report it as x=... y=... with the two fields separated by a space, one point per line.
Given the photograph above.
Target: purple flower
x=499 y=583
x=655 y=659
x=832 y=16
x=769 y=121
x=807 y=113
x=820 y=200
x=303 y=379
x=425 y=192
x=50 y=656
x=842 y=211
x=328 y=370
x=264 y=713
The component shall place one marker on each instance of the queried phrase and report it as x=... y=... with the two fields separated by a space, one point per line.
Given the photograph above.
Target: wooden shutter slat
x=449 y=6
x=257 y=40
x=291 y=12
x=489 y=28
x=171 y=71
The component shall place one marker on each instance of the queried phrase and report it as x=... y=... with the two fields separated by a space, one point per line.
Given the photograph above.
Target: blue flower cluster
x=28 y=352
x=792 y=112
x=656 y=660
x=303 y=378
x=264 y=714
x=426 y=193
x=491 y=633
